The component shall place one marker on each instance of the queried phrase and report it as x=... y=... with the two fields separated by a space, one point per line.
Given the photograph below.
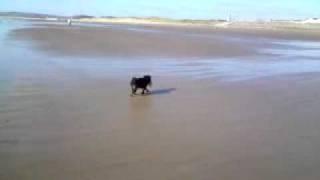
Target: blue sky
x=195 y=9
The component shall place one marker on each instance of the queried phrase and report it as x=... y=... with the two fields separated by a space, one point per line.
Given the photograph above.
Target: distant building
x=312 y=21
x=51 y=19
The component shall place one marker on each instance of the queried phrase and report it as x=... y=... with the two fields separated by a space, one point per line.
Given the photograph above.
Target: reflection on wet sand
x=140 y=107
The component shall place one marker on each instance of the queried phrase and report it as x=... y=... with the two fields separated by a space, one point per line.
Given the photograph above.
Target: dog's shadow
x=161 y=91
x=156 y=92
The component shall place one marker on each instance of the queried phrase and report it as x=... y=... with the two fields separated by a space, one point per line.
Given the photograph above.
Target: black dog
x=141 y=83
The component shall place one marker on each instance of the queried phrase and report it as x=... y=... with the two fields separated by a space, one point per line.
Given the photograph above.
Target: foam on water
x=299 y=44
x=294 y=49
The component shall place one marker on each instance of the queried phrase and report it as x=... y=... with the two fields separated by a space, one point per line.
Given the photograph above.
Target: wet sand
x=121 y=42
x=61 y=121
x=155 y=41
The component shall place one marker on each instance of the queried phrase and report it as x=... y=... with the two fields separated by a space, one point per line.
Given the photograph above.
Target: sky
x=178 y=9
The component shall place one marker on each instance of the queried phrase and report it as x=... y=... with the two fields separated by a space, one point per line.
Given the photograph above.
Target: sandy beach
x=225 y=104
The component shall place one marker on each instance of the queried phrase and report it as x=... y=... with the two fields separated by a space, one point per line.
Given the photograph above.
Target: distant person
x=69 y=22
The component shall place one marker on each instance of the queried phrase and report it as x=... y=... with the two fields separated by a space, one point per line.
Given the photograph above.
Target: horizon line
x=146 y=17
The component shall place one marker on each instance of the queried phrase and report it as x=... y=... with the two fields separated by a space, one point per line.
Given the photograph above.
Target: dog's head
x=148 y=79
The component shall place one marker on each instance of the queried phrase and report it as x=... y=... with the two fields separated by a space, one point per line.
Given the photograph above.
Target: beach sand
x=62 y=123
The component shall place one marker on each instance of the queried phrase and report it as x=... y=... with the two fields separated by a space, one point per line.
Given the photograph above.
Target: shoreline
x=213 y=23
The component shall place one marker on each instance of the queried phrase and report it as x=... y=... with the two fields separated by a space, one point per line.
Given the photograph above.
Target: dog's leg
x=134 y=90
